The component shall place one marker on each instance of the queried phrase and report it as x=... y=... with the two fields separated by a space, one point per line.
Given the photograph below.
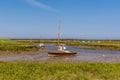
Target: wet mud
x=102 y=56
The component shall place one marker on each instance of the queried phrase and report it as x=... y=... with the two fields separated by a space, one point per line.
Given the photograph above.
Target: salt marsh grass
x=6 y=44
x=59 y=71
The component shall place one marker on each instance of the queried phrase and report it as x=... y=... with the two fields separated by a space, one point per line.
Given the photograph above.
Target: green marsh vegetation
x=59 y=71
x=11 y=45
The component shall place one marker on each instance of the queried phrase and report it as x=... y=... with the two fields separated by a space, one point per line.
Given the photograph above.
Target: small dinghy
x=61 y=52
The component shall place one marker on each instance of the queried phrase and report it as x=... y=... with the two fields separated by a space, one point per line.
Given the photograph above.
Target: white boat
x=41 y=45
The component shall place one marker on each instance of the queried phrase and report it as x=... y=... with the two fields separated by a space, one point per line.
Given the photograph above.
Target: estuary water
x=70 y=48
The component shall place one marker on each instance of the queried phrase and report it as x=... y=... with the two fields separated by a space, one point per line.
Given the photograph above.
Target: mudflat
x=42 y=56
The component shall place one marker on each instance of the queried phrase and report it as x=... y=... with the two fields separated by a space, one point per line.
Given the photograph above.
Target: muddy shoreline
x=42 y=56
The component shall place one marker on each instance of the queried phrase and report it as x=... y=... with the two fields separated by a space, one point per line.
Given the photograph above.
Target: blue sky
x=81 y=19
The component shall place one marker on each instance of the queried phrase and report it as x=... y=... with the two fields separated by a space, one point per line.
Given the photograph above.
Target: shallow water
x=82 y=55
x=70 y=48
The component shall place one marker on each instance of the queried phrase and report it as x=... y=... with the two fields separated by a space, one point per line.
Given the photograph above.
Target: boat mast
x=59 y=33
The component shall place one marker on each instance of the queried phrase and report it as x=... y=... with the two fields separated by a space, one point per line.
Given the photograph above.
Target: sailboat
x=61 y=49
